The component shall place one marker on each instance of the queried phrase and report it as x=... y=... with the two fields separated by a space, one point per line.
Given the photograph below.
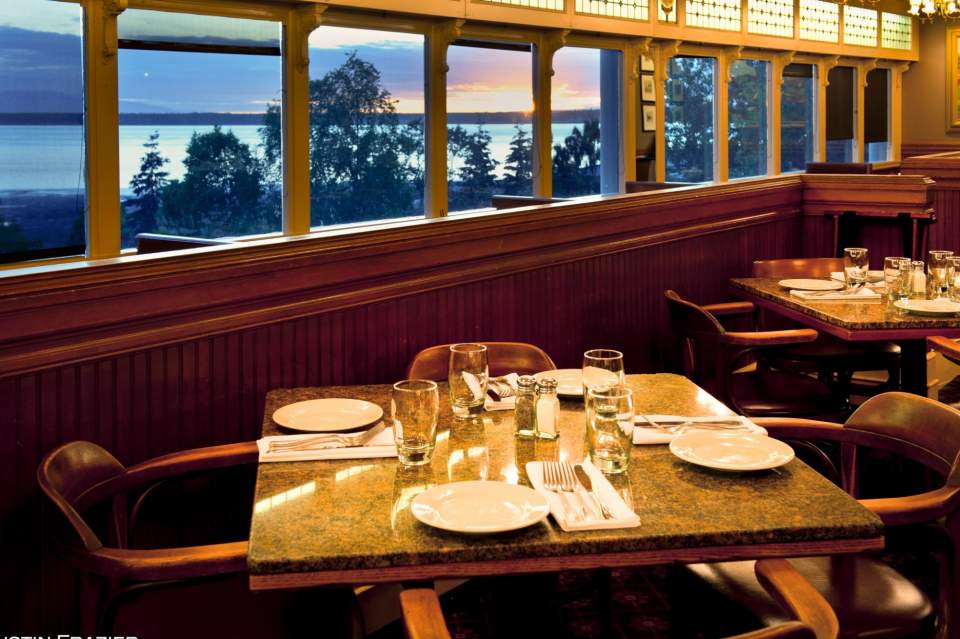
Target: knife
x=588 y=485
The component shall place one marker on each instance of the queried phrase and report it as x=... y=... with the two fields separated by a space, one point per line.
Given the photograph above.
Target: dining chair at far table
x=809 y=614
x=835 y=361
x=107 y=528
x=503 y=357
x=716 y=360
x=871 y=598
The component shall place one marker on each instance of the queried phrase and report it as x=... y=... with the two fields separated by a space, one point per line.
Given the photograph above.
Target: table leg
x=913 y=366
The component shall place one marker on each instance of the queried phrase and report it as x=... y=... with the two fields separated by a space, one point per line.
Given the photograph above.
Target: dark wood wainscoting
x=944 y=169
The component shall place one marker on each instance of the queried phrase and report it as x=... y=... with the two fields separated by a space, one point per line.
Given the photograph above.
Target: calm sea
x=49 y=158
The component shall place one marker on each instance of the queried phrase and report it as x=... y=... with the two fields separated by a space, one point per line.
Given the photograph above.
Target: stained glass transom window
x=553 y=5
x=770 y=17
x=819 y=21
x=633 y=9
x=663 y=16
x=897 y=31
x=859 y=26
x=714 y=14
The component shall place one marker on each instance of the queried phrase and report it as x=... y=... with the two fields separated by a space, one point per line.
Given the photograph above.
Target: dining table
x=349 y=521
x=870 y=320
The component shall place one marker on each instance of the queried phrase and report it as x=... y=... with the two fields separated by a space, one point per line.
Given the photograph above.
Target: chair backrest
x=696 y=327
x=921 y=429
x=690 y=320
x=801 y=267
x=502 y=357
x=69 y=473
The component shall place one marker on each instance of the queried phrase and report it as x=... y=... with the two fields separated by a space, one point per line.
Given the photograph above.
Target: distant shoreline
x=255 y=119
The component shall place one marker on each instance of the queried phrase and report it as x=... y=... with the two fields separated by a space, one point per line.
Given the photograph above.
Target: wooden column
x=544 y=50
x=780 y=63
x=663 y=52
x=439 y=37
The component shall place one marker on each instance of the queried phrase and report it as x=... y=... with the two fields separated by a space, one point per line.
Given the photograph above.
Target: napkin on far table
x=623 y=515
x=505 y=403
x=861 y=294
x=642 y=435
x=382 y=445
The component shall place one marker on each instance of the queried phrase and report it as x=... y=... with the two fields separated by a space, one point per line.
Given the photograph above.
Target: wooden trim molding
x=943 y=167
x=875 y=194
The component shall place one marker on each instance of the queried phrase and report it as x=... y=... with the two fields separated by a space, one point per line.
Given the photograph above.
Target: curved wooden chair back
x=697 y=328
x=502 y=357
x=946 y=347
x=801 y=267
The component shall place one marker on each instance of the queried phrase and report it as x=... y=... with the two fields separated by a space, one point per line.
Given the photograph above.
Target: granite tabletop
x=854 y=316
x=340 y=516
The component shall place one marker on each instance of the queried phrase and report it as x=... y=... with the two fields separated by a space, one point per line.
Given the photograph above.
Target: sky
x=40 y=48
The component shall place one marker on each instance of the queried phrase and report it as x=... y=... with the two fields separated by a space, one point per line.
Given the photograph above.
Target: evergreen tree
x=576 y=162
x=475 y=177
x=518 y=178
x=140 y=213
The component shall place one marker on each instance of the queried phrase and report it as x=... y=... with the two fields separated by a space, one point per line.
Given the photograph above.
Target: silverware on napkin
x=587 y=484
x=328 y=440
x=675 y=425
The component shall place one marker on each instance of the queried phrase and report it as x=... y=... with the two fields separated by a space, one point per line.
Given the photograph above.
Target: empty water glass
x=602 y=368
x=468 y=377
x=891 y=275
x=414 y=407
x=610 y=427
x=855 y=264
x=938 y=274
x=954 y=291
x=905 y=281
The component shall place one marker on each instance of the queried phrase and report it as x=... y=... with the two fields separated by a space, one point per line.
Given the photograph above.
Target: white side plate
x=479 y=507
x=730 y=450
x=811 y=285
x=328 y=415
x=569 y=381
x=929 y=307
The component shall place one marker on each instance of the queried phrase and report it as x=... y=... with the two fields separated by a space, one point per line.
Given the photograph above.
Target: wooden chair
x=872 y=599
x=192 y=590
x=946 y=347
x=834 y=360
x=811 y=614
x=502 y=357
x=711 y=356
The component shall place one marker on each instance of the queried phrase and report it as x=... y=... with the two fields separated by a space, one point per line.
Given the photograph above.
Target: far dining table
x=857 y=321
x=349 y=521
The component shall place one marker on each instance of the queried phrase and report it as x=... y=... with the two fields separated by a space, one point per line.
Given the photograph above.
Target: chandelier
x=929 y=9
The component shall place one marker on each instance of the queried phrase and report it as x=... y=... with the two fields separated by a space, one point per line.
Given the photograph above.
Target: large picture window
x=876 y=116
x=841 y=102
x=199 y=109
x=748 y=128
x=797 y=117
x=689 y=119
x=42 y=209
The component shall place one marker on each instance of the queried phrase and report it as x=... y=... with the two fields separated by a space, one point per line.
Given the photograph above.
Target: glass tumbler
x=891 y=276
x=938 y=274
x=414 y=408
x=905 y=281
x=954 y=289
x=856 y=261
x=610 y=427
x=468 y=377
x=602 y=368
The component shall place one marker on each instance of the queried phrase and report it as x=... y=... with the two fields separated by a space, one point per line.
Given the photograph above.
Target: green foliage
x=518 y=177
x=576 y=162
x=475 y=178
x=689 y=119
x=747 y=149
x=140 y=213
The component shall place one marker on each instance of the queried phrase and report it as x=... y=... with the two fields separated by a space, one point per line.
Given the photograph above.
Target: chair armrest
x=422 y=616
x=946 y=346
x=166 y=563
x=797 y=428
x=788 y=630
x=913 y=509
x=797 y=596
x=729 y=308
x=768 y=338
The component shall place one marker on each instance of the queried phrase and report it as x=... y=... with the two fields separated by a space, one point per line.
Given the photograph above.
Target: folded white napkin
x=505 y=403
x=643 y=436
x=623 y=515
x=382 y=445
x=861 y=294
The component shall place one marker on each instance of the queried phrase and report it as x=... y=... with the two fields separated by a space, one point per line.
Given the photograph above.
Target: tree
x=518 y=177
x=475 y=175
x=576 y=162
x=140 y=212
x=364 y=163
x=689 y=121
x=220 y=194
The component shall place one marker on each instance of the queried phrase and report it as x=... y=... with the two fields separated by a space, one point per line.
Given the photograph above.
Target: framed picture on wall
x=649 y=117
x=646 y=64
x=953 y=75
x=648 y=91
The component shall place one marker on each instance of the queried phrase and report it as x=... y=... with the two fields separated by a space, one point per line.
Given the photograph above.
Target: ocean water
x=50 y=158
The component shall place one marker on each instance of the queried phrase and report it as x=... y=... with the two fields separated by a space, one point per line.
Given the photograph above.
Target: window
x=797 y=115
x=586 y=121
x=747 y=147
x=859 y=26
x=714 y=14
x=770 y=17
x=199 y=115
x=489 y=133
x=366 y=125
x=42 y=194
x=876 y=116
x=633 y=9
x=840 y=115
x=897 y=31
x=689 y=119
x=819 y=21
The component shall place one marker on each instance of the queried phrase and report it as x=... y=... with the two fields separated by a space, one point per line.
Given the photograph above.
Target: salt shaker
x=525 y=408
x=919 y=281
x=548 y=409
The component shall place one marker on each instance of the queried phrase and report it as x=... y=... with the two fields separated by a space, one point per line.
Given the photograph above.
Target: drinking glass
x=905 y=281
x=414 y=408
x=938 y=272
x=891 y=276
x=954 y=288
x=855 y=265
x=468 y=379
x=602 y=368
x=610 y=427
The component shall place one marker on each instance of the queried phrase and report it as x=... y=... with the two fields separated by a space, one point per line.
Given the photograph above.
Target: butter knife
x=588 y=485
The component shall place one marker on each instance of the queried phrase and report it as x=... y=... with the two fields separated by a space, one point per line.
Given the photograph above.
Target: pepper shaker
x=525 y=408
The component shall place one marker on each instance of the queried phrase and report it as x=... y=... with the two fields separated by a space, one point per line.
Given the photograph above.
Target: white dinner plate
x=479 y=506
x=811 y=285
x=329 y=415
x=730 y=450
x=569 y=381
x=929 y=307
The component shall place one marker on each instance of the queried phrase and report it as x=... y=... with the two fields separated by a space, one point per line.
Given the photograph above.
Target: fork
x=344 y=441
x=556 y=481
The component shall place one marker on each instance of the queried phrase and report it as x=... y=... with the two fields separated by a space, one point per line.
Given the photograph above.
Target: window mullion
x=542 y=145
x=438 y=40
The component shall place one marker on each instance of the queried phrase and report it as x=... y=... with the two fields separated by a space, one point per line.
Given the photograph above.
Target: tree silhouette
x=518 y=178
x=576 y=162
x=140 y=212
x=476 y=179
x=688 y=128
